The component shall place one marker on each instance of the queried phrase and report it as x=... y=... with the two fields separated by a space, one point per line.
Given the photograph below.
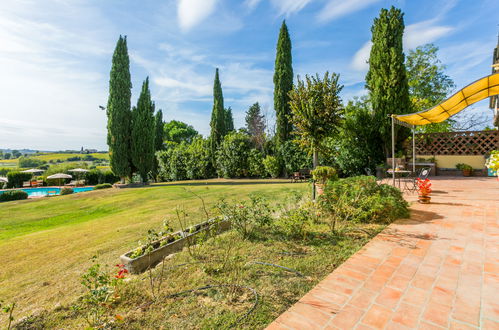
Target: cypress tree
x=217 y=123
x=143 y=132
x=283 y=84
x=386 y=79
x=229 y=120
x=118 y=111
x=255 y=125
x=158 y=139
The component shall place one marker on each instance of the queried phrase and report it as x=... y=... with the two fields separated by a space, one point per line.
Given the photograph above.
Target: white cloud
x=251 y=4
x=192 y=12
x=337 y=8
x=289 y=7
x=359 y=61
x=424 y=32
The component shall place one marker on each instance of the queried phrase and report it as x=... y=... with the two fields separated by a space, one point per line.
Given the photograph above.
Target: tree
x=177 y=132
x=255 y=125
x=143 y=147
x=217 y=122
x=283 y=84
x=232 y=156
x=316 y=110
x=7 y=155
x=229 y=120
x=118 y=111
x=16 y=154
x=386 y=79
x=428 y=84
x=355 y=149
x=158 y=140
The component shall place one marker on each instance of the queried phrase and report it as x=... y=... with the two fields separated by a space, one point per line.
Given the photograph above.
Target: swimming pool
x=39 y=192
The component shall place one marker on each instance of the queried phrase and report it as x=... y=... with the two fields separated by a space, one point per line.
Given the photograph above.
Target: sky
x=55 y=56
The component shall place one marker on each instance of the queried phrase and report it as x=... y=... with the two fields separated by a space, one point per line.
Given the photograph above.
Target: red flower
x=424 y=186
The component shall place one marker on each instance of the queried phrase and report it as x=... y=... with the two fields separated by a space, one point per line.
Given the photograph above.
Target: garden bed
x=168 y=245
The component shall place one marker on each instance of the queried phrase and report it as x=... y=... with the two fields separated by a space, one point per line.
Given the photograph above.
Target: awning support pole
x=393 y=151
x=413 y=149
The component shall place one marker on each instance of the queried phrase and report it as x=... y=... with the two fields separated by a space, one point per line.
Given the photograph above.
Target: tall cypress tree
x=158 y=139
x=143 y=133
x=283 y=84
x=229 y=120
x=386 y=79
x=118 y=111
x=217 y=123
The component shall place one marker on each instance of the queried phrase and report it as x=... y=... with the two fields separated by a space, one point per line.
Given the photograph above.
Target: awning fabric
x=476 y=91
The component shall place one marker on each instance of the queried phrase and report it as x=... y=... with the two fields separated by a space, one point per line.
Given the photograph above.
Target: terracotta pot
x=319 y=188
x=467 y=172
x=424 y=199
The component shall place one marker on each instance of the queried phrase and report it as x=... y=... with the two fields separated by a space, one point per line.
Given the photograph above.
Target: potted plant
x=424 y=191
x=321 y=175
x=492 y=163
x=465 y=168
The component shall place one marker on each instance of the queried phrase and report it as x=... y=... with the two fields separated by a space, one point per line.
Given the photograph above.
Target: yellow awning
x=476 y=91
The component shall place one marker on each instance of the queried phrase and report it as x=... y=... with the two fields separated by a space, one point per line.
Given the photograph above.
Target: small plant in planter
x=424 y=191
x=465 y=168
x=321 y=175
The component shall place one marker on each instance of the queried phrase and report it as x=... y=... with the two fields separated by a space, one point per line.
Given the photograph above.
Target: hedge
x=16 y=179
x=13 y=195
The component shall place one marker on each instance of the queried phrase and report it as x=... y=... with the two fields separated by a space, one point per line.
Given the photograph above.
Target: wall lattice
x=456 y=143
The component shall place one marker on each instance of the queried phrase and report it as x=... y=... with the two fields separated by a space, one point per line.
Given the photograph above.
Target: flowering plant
x=424 y=187
x=493 y=162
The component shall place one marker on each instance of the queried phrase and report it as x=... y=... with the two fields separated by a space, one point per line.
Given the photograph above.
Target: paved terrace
x=437 y=270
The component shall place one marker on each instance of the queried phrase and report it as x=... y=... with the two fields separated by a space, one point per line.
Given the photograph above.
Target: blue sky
x=55 y=55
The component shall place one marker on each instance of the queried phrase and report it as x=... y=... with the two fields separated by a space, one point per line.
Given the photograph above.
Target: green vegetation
x=229 y=120
x=386 y=79
x=16 y=179
x=159 y=136
x=13 y=195
x=255 y=125
x=281 y=245
x=119 y=116
x=316 y=110
x=217 y=123
x=103 y=186
x=143 y=133
x=178 y=132
x=283 y=84
x=67 y=191
x=323 y=174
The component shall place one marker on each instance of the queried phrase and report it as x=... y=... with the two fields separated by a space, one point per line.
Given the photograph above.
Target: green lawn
x=45 y=244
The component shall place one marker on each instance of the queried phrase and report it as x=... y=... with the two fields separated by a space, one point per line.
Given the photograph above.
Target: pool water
x=39 y=192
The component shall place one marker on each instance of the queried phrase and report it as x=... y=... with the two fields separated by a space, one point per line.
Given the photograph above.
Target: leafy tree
x=294 y=157
x=428 y=83
x=143 y=147
x=158 y=139
x=118 y=111
x=255 y=125
x=386 y=79
x=355 y=149
x=7 y=155
x=177 y=131
x=316 y=110
x=16 y=154
x=217 y=122
x=229 y=120
x=1 y=154
x=232 y=156
x=255 y=163
x=198 y=161
x=283 y=84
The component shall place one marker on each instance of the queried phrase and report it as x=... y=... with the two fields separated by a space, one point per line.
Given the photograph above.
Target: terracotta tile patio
x=437 y=270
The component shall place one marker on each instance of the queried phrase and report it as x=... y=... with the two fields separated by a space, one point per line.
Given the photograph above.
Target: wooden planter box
x=144 y=262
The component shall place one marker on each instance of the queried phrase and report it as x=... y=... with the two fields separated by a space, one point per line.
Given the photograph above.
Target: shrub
x=294 y=223
x=361 y=199
x=16 y=179
x=294 y=157
x=13 y=195
x=198 y=159
x=323 y=174
x=108 y=177
x=92 y=177
x=255 y=163
x=67 y=191
x=4 y=171
x=103 y=186
x=272 y=166
x=246 y=216
x=232 y=156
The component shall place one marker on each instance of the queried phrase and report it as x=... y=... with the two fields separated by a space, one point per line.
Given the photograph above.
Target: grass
x=45 y=244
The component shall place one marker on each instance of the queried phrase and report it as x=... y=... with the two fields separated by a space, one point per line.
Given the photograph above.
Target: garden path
x=437 y=270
